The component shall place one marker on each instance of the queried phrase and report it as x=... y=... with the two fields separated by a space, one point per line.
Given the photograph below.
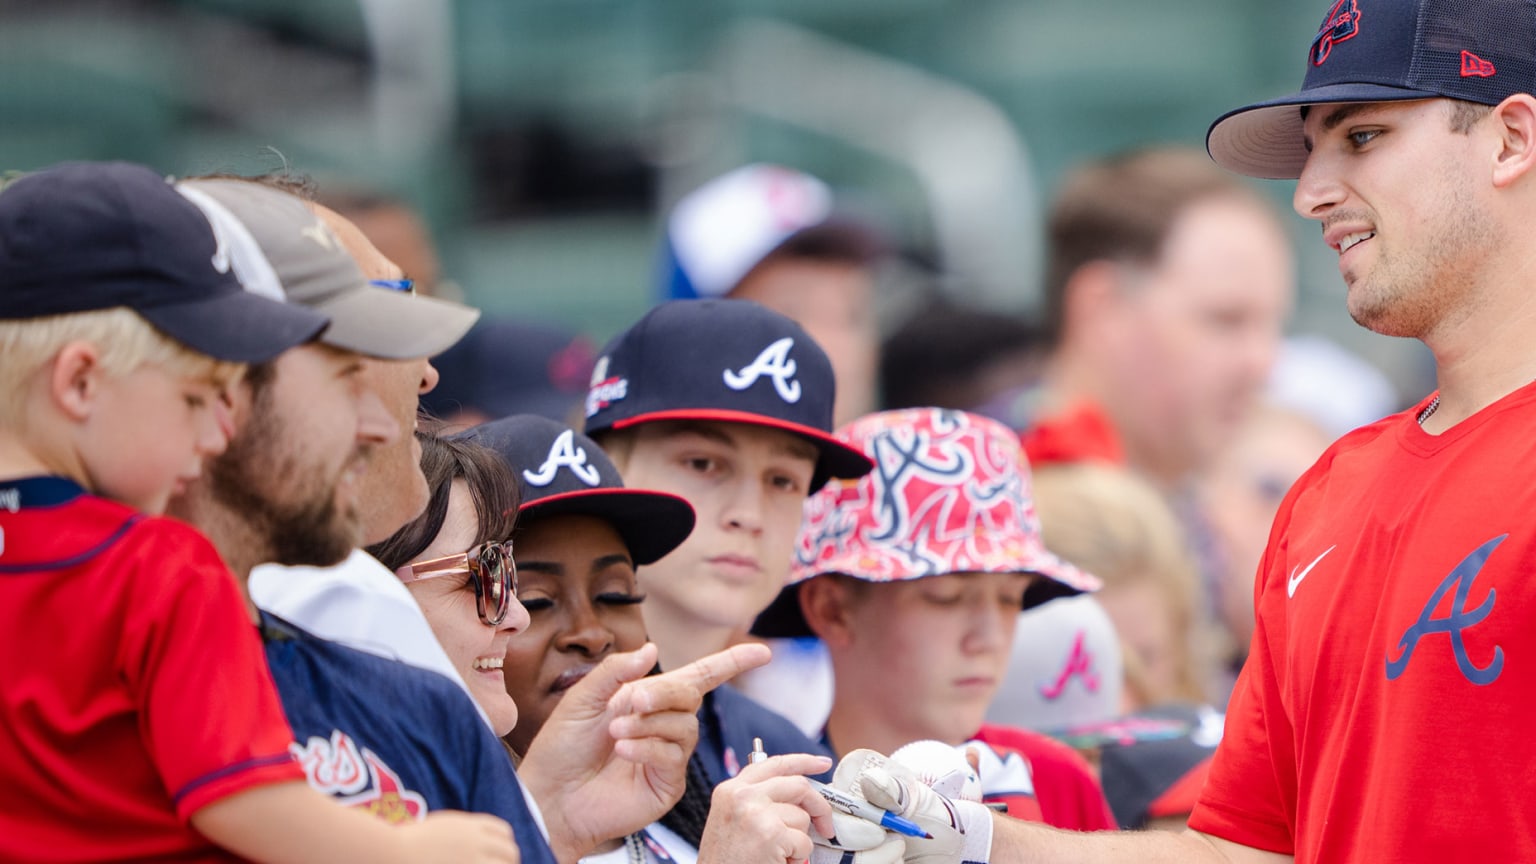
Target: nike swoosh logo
x=1291 y=583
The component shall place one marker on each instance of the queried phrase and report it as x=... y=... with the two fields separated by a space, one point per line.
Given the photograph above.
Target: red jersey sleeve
x=1251 y=792
x=209 y=713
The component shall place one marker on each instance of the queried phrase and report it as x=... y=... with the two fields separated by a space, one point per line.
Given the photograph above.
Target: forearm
x=291 y=822
x=1016 y=842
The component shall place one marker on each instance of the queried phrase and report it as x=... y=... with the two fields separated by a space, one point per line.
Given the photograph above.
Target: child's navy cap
x=82 y=236
x=730 y=361
x=564 y=473
x=1386 y=51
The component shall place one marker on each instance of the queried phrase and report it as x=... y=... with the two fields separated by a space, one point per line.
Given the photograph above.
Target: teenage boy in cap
x=916 y=574
x=728 y=405
x=1373 y=720
x=122 y=326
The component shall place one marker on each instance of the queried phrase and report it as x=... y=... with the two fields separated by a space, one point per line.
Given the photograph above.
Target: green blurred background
x=544 y=139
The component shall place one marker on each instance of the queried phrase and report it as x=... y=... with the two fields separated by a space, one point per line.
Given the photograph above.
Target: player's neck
x=1480 y=359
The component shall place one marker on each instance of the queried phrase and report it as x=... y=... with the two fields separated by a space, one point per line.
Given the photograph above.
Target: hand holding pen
x=851 y=805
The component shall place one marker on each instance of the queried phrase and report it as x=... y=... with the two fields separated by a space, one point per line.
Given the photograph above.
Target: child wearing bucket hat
x=728 y=405
x=914 y=576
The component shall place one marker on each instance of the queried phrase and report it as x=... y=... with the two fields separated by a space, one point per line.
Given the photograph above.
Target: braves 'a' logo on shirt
x=357 y=777
x=773 y=362
x=564 y=453
x=1456 y=621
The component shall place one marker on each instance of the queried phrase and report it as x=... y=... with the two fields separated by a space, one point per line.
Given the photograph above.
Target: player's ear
x=1516 y=154
x=74 y=379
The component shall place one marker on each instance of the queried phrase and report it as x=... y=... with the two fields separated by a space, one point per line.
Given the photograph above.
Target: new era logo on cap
x=721 y=360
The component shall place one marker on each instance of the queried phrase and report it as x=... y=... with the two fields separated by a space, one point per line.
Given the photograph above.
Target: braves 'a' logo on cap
x=1342 y=24
x=563 y=453
x=775 y=363
x=1079 y=665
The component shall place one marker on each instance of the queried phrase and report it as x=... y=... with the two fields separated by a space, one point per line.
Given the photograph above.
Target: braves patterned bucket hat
x=950 y=493
x=730 y=361
x=564 y=473
x=1385 y=51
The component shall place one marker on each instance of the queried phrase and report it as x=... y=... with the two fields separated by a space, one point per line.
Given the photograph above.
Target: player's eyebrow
x=1334 y=117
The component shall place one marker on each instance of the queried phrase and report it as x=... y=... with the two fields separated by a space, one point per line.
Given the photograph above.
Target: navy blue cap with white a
x=82 y=236
x=729 y=361
x=564 y=473
x=1386 y=51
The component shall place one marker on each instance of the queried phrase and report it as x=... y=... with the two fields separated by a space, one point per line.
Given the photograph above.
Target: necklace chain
x=636 y=849
x=1429 y=409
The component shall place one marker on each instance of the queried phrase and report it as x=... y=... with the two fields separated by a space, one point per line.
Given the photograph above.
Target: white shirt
x=358 y=603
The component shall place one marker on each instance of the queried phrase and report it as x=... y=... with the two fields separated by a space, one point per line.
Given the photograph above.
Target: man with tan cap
x=358 y=602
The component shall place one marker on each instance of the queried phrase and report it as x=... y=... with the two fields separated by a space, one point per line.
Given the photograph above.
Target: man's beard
x=291 y=507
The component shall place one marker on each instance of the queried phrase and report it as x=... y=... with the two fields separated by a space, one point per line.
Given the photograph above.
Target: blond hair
x=1117 y=526
x=125 y=340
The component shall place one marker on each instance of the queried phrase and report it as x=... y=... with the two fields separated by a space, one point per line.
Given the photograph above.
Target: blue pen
x=865 y=810
x=851 y=805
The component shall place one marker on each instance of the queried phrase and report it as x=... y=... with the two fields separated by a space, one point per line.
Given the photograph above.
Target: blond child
x=139 y=719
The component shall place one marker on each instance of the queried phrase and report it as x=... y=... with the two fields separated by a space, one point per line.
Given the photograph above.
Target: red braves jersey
x=133 y=687
x=1067 y=793
x=1382 y=713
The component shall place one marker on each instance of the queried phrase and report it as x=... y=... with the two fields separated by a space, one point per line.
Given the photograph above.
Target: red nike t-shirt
x=1382 y=713
x=133 y=687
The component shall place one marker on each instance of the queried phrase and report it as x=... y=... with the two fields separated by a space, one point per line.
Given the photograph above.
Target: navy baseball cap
x=81 y=236
x=506 y=367
x=1386 y=51
x=565 y=473
x=731 y=361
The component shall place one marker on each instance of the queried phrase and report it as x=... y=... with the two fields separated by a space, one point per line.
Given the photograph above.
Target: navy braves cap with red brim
x=1385 y=51
x=565 y=473
x=729 y=361
x=82 y=236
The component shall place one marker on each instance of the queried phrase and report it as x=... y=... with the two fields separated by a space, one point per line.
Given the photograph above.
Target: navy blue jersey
x=394 y=739
x=729 y=720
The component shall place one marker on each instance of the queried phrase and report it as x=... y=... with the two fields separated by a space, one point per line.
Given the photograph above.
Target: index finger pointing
x=709 y=672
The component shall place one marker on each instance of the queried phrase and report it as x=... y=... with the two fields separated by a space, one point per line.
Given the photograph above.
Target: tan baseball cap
x=312 y=267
